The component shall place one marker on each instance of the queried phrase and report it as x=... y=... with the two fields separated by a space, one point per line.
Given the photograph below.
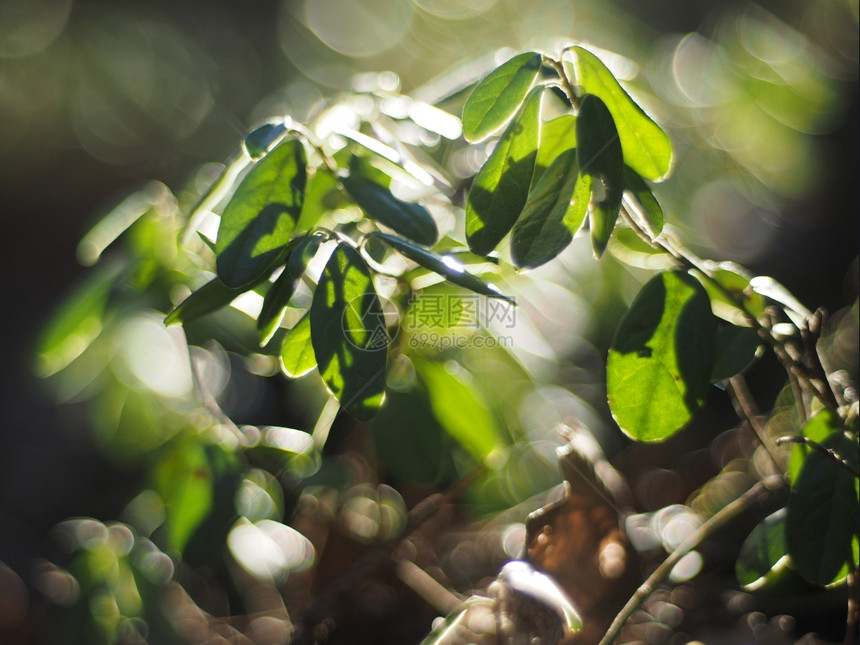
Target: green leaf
x=445 y=266
x=501 y=187
x=498 y=96
x=600 y=157
x=735 y=350
x=728 y=286
x=259 y=140
x=260 y=218
x=297 y=352
x=275 y=305
x=304 y=252
x=763 y=553
x=647 y=149
x=459 y=406
x=408 y=439
x=626 y=245
x=75 y=325
x=661 y=358
x=349 y=334
x=816 y=429
x=321 y=195
x=553 y=213
x=651 y=208
x=824 y=513
x=193 y=479
x=556 y=136
x=210 y=297
x=411 y=220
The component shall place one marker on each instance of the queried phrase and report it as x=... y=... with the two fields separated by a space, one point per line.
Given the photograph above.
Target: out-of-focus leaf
x=445 y=266
x=408 y=439
x=77 y=324
x=210 y=297
x=501 y=187
x=735 y=350
x=259 y=140
x=297 y=352
x=553 y=213
x=411 y=220
x=824 y=513
x=459 y=406
x=647 y=149
x=259 y=220
x=661 y=358
x=349 y=334
x=631 y=249
x=600 y=157
x=651 y=208
x=498 y=96
x=728 y=286
x=193 y=478
x=763 y=554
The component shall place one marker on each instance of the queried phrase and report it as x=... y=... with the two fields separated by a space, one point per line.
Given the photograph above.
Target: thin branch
x=711 y=525
x=746 y=408
x=828 y=452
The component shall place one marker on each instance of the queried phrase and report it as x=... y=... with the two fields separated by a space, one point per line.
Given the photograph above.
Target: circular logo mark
x=365 y=322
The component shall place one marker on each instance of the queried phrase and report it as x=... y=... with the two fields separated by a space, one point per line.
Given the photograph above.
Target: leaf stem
x=711 y=525
x=746 y=409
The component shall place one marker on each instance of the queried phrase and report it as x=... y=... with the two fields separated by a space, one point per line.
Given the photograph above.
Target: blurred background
x=98 y=97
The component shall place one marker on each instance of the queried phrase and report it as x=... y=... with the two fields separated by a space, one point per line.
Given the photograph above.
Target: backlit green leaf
x=626 y=245
x=196 y=480
x=816 y=429
x=824 y=513
x=321 y=195
x=735 y=349
x=210 y=297
x=498 y=96
x=349 y=334
x=600 y=157
x=553 y=213
x=274 y=305
x=501 y=188
x=259 y=220
x=556 y=136
x=661 y=358
x=77 y=324
x=445 y=266
x=728 y=286
x=459 y=406
x=647 y=149
x=762 y=552
x=651 y=208
x=297 y=352
x=411 y=220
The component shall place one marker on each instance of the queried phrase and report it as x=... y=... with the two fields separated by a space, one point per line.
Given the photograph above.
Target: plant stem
x=746 y=408
x=830 y=454
x=713 y=524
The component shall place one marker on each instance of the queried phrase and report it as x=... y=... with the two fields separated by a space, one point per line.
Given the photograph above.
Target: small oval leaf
x=600 y=157
x=349 y=334
x=501 y=187
x=259 y=220
x=763 y=553
x=647 y=148
x=297 y=352
x=824 y=513
x=260 y=139
x=274 y=305
x=735 y=350
x=445 y=266
x=411 y=220
x=497 y=97
x=553 y=213
x=661 y=358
